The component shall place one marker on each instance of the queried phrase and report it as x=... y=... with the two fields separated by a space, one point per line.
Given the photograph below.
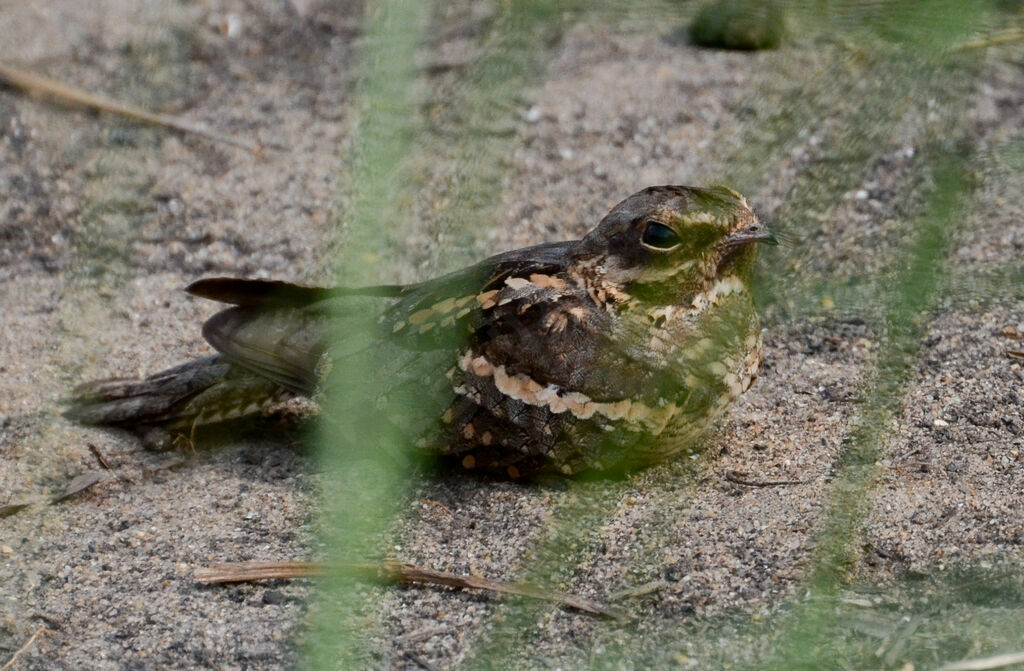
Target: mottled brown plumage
x=612 y=351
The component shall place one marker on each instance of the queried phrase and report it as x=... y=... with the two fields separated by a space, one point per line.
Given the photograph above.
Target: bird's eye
x=659 y=236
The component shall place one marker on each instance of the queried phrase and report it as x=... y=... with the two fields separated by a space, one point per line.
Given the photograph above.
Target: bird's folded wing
x=444 y=312
x=283 y=344
x=281 y=330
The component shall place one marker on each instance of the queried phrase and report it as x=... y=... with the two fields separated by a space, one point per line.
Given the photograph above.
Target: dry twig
x=737 y=478
x=394 y=572
x=100 y=458
x=17 y=653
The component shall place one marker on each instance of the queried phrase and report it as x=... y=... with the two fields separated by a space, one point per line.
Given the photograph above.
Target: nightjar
x=613 y=351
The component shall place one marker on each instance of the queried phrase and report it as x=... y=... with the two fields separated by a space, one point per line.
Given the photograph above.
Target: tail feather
x=198 y=392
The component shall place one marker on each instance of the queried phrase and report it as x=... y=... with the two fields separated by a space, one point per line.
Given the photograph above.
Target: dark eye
x=659 y=236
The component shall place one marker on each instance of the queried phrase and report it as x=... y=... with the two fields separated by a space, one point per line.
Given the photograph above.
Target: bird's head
x=667 y=242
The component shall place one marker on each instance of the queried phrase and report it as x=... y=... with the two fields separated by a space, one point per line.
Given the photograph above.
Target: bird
x=613 y=351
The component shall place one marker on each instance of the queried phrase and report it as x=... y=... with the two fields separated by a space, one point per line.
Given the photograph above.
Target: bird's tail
x=204 y=391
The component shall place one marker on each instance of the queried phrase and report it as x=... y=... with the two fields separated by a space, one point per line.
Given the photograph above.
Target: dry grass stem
x=37 y=85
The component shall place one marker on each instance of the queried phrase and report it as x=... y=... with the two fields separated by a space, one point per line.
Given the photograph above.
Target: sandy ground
x=104 y=222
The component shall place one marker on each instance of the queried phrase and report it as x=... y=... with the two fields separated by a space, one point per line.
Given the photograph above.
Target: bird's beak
x=756 y=232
